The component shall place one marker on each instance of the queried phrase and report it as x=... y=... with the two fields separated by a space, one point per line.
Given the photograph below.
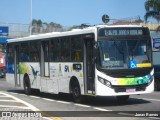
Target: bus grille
x=124 y=88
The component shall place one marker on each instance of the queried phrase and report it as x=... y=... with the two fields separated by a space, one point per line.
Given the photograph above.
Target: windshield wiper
x=134 y=49
x=120 y=51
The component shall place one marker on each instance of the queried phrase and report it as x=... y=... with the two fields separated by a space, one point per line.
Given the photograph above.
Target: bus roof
x=86 y=30
x=53 y=34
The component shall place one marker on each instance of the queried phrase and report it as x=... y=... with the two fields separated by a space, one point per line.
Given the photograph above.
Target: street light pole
x=30 y=17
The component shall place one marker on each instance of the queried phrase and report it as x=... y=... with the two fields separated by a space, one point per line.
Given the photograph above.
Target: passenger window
x=55 y=50
x=24 y=54
x=65 y=50
x=34 y=52
x=76 y=49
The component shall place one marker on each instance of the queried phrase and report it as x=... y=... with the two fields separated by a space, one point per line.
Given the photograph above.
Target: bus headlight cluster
x=104 y=81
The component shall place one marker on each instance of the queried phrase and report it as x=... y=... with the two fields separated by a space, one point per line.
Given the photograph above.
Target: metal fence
x=17 y=30
x=23 y=30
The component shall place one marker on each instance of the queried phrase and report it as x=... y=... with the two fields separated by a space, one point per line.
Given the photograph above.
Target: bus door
x=16 y=65
x=44 y=65
x=89 y=69
x=45 y=59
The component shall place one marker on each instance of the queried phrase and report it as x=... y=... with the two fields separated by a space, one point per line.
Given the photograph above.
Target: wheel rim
x=26 y=87
x=76 y=91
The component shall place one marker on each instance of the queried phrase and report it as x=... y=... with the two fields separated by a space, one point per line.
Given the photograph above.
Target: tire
x=122 y=99
x=157 y=84
x=76 y=93
x=27 y=85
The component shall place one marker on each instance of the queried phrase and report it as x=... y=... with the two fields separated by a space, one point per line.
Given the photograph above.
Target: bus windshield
x=119 y=53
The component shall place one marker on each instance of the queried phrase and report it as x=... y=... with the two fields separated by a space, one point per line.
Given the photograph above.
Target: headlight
x=104 y=81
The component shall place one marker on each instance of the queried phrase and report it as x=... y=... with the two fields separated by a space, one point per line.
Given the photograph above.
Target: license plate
x=130 y=89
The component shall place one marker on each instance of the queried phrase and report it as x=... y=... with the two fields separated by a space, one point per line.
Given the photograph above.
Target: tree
x=45 y=27
x=38 y=26
x=73 y=27
x=34 y=25
x=152 y=9
x=39 y=23
x=51 y=26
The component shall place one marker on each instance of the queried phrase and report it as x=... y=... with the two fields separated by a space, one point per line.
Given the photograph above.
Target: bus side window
x=34 y=52
x=77 y=56
x=55 y=50
x=24 y=52
x=65 y=49
x=76 y=49
x=24 y=57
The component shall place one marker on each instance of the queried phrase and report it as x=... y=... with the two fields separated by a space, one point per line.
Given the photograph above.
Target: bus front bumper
x=103 y=90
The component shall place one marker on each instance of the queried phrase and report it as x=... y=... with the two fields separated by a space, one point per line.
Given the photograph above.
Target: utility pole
x=30 y=17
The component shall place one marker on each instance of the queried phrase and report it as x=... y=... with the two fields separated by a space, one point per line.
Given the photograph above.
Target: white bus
x=99 y=60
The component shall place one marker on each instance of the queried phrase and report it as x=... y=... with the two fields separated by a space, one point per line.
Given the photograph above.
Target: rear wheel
x=27 y=86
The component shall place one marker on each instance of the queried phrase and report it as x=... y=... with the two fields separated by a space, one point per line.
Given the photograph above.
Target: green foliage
x=73 y=27
x=38 y=26
x=152 y=9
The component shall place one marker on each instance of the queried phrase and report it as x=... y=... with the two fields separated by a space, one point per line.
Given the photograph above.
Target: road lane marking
x=9 y=106
x=63 y=102
x=8 y=101
x=4 y=97
x=82 y=105
x=126 y=114
x=33 y=108
x=101 y=109
x=34 y=96
x=23 y=94
x=21 y=101
x=48 y=99
x=151 y=99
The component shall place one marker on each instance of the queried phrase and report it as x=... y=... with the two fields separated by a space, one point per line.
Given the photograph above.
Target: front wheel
x=27 y=86
x=157 y=84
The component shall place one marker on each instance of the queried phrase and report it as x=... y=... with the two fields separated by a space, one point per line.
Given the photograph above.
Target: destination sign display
x=120 y=32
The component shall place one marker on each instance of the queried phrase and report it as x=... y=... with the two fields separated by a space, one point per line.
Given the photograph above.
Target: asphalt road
x=62 y=107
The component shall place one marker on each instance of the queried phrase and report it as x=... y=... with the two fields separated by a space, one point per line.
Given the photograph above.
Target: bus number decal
x=66 y=68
